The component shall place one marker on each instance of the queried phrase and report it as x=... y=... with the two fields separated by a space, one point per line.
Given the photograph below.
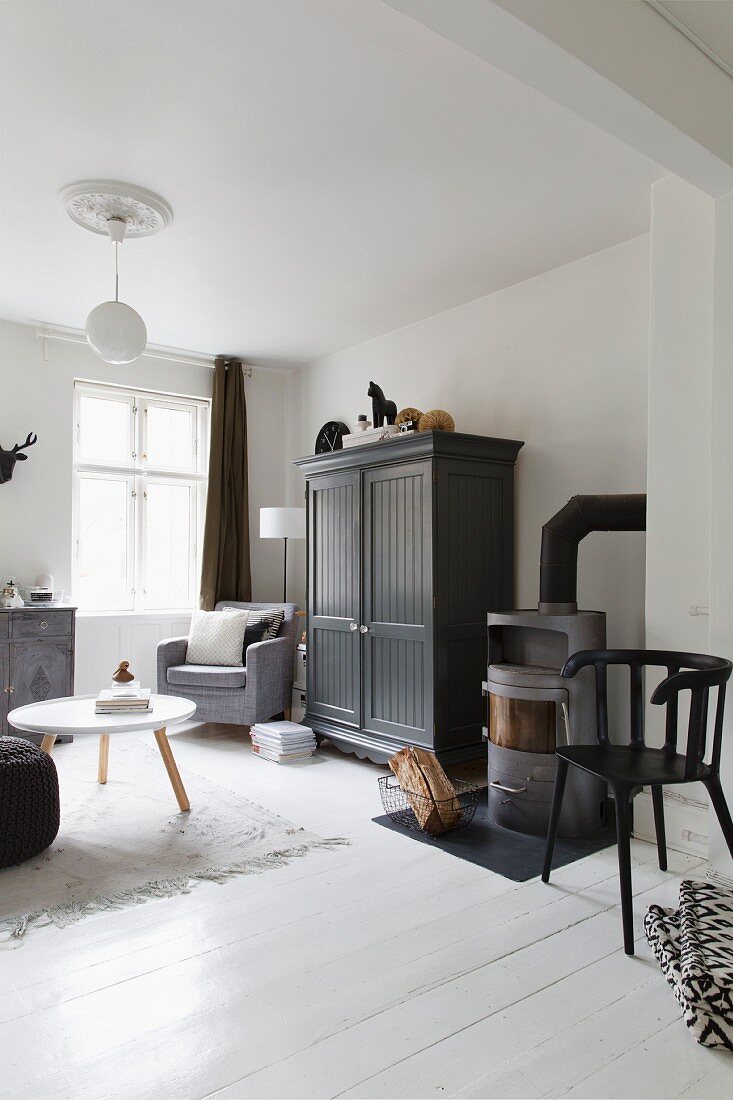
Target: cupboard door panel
x=334 y=600
x=398 y=611
x=396 y=686
x=40 y=670
x=4 y=697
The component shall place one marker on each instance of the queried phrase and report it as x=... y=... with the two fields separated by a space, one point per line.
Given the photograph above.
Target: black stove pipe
x=561 y=535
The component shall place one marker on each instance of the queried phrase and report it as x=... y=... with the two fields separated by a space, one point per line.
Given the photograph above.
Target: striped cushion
x=262 y=626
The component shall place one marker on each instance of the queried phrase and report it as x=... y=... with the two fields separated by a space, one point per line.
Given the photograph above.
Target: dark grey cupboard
x=410 y=543
x=36 y=658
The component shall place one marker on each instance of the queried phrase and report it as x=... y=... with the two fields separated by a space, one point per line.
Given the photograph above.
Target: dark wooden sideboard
x=410 y=543
x=36 y=657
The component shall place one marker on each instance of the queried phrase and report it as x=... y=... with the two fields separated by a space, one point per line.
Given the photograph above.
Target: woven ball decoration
x=407 y=414
x=29 y=801
x=437 y=420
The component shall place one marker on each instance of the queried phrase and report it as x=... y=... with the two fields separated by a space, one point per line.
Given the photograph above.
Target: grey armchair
x=238 y=695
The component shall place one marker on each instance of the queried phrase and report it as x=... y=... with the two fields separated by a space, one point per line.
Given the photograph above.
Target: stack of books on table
x=127 y=699
x=283 y=742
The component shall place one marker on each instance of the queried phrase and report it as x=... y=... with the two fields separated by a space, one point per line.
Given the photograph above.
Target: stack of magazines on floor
x=283 y=742
x=124 y=699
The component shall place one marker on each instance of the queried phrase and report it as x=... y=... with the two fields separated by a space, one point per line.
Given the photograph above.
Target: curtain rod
x=152 y=351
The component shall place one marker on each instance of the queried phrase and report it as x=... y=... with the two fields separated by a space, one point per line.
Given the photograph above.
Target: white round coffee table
x=76 y=716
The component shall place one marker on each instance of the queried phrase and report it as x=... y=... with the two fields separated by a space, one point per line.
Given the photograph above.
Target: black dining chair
x=630 y=766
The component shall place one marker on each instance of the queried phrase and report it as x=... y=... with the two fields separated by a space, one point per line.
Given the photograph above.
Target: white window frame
x=137 y=471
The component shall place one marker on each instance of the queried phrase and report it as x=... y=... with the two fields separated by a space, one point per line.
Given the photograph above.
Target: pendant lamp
x=114 y=330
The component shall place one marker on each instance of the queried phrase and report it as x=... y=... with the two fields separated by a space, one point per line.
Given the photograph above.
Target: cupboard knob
x=44 y=625
x=363 y=629
x=353 y=626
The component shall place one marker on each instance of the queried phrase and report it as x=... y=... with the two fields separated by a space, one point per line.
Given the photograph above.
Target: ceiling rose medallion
x=120 y=211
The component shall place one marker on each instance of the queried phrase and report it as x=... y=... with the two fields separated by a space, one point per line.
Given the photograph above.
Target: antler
x=30 y=440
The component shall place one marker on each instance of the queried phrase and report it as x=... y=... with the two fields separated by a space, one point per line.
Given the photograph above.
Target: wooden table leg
x=48 y=742
x=171 y=768
x=103 y=757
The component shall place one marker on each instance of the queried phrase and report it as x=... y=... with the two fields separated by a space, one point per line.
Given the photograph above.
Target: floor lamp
x=283 y=523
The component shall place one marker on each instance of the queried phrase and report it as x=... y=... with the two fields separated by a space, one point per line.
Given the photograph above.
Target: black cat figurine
x=382 y=409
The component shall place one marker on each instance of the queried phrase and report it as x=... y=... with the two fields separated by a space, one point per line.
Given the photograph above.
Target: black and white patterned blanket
x=694 y=947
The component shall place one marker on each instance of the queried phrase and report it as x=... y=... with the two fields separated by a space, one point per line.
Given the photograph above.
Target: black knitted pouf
x=29 y=801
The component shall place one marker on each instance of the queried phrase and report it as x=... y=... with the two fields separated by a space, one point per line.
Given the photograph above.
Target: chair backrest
x=693 y=672
x=289 y=627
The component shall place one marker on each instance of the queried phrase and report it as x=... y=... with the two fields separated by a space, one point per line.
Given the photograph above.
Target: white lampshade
x=282 y=523
x=116 y=332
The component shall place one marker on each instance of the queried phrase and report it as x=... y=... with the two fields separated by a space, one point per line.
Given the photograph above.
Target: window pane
x=170 y=433
x=103 y=544
x=169 y=553
x=105 y=430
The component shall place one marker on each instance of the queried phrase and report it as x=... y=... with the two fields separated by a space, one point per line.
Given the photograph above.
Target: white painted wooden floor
x=385 y=969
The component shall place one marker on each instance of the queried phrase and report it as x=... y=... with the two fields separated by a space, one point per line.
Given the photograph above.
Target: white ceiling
x=711 y=21
x=336 y=170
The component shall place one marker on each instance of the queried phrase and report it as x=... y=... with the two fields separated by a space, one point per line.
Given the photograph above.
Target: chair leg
x=658 y=803
x=720 y=806
x=557 y=796
x=623 y=832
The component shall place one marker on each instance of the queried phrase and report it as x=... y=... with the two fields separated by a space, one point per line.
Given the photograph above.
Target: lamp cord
x=117 y=272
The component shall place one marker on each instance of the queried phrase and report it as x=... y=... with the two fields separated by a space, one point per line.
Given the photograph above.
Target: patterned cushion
x=216 y=638
x=262 y=626
x=218 y=676
x=694 y=947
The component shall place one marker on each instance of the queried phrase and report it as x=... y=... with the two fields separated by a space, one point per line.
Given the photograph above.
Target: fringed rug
x=127 y=842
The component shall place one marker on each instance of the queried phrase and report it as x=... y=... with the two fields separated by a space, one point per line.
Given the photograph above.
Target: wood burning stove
x=532 y=708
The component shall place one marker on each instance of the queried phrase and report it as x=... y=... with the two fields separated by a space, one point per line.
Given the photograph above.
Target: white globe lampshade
x=116 y=332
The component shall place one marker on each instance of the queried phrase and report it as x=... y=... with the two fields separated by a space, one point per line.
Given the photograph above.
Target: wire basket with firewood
x=420 y=796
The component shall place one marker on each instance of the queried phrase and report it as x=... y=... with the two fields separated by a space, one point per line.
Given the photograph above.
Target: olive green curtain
x=225 y=568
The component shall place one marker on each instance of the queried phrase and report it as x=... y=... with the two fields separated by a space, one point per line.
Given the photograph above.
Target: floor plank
x=386 y=968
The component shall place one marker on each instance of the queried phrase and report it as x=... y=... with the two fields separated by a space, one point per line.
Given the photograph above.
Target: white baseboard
x=686 y=822
x=719 y=878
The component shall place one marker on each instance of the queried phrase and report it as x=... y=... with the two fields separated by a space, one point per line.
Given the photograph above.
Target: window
x=139 y=493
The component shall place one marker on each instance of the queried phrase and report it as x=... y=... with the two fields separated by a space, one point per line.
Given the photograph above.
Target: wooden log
x=441 y=788
x=417 y=791
x=427 y=788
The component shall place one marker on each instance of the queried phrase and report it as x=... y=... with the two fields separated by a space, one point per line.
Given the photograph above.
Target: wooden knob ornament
x=123 y=674
x=408 y=414
x=437 y=420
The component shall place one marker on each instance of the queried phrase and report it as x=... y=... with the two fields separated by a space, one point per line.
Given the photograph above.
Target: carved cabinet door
x=39 y=670
x=4 y=682
x=398 y=601
x=334 y=586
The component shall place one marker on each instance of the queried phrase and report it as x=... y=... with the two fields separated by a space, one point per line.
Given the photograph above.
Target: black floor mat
x=514 y=855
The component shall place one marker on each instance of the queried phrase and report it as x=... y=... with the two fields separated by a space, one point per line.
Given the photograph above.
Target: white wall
x=721 y=559
x=559 y=361
x=678 y=513
x=35 y=507
x=680 y=377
